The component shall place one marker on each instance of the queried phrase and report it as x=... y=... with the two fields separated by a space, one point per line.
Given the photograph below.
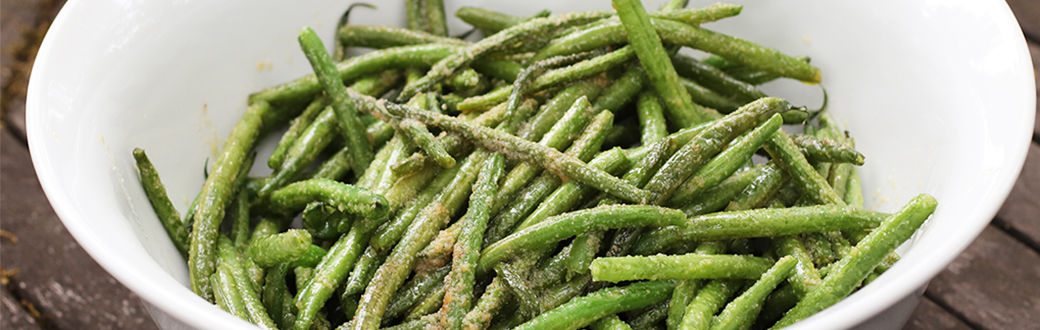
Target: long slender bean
x=342 y=196
x=350 y=126
x=709 y=300
x=582 y=311
x=689 y=266
x=679 y=108
x=392 y=273
x=156 y=192
x=307 y=87
x=566 y=225
x=759 y=223
x=741 y=312
x=279 y=248
x=296 y=128
x=250 y=296
x=532 y=28
x=848 y=272
x=726 y=162
x=809 y=182
x=215 y=194
x=517 y=148
x=459 y=296
x=709 y=142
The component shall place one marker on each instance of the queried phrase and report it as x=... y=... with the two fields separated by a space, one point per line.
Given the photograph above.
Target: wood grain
x=931 y=316
x=1028 y=14
x=12 y=314
x=994 y=284
x=68 y=288
x=1020 y=213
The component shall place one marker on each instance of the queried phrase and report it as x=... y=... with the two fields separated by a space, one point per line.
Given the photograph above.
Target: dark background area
x=49 y=282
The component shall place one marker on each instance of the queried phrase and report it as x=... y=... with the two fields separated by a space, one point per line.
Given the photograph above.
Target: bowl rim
x=180 y=306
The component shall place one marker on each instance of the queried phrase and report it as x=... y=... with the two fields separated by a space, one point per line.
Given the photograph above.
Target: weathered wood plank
x=930 y=316
x=1021 y=211
x=994 y=284
x=23 y=24
x=12 y=315
x=1028 y=14
x=68 y=288
x=1034 y=53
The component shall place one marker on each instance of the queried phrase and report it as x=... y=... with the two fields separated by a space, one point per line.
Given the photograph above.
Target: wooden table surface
x=49 y=282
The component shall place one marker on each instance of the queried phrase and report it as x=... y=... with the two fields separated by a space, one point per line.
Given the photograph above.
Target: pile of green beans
x=566 y=171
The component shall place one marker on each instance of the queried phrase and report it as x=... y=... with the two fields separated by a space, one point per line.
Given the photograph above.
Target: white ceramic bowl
x=939 y=94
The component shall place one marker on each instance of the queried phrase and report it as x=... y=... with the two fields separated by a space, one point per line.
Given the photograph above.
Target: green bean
x=609 y=322
x=275 y=291
x=622 y=90
x=532 y=28
x=571 y=192
x=708 y=142
x=498 y=68
x=716 y=79
x=491 y=21
x=809 y=182
x=304 y=150
x=517 y=148
x=226 y=293
x=709 y=299
x=761 y=190
x=706 y=97
x=818 y=149
x=342 y=196
x=330 y=272
x=353 y=131
x=854 y=190
x=392 y=273
x=363 y=271
x=610 y=31
x=741 y=312
x=726 y=162
x=391 y=58
x=240 y=219
x=459 y=295
x=650 y=316
x=679 y=108
x=334 y=167
x=738 y=50
x=495 y=296
x=686 y=290
x=215 y=194
x=414 y=11
x=164 y=209
x=716 y=198
x=250 y=297
x=390 y=234
x=523 y=81
x=557 y=77
x=413 y=292
x=759 y=223
x=566 y=225
x=651 y=118
x=555 y=109
x=279 y=248
x=582 y=311
x=850 y=271
x=296 y=128
x=689 y=266
x=428 y=305
x=489 y=118
x=435 y=17
x=558 y=138
x=638 y=175
x=427 y=143
x=310 y=258
x=465 y=79
x=805 y=276
x=584 y=147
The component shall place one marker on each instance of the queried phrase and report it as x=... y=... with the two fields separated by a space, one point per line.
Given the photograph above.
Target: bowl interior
x=939 y=95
